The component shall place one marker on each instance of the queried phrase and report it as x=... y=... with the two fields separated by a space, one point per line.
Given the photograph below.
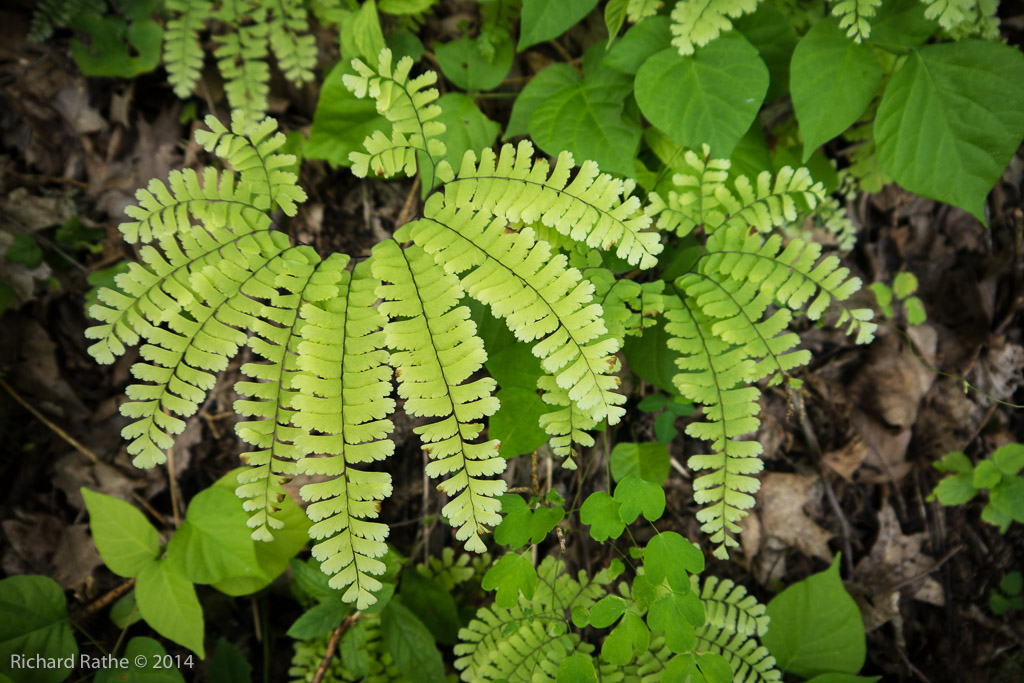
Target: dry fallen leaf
x=895 y=559
x=781 y=504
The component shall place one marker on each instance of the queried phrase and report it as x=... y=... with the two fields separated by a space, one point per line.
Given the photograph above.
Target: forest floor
x=848 y=468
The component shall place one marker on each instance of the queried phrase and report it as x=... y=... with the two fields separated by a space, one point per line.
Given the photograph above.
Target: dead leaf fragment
x=897 y=559
x=781 y=503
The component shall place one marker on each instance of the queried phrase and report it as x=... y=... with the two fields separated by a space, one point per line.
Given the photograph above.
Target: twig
x=403 y=215
x=42 y=418
x=332 y=644
x=107 y=598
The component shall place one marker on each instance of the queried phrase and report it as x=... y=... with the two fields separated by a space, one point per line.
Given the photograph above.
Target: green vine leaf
x=649 y=461
x=807 y=640
x=833 y=82
x=543 y=20
x=167 y=601
x=586 y=118
x=951 y=119
x=126 y=540
x=35 y=622
x=464 y=65
x=670 y=556
x=708 y=98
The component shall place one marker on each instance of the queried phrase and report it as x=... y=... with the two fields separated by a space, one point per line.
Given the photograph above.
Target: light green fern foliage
x=854 y=16
x=317 y=394
x=251 y=30
x=728 y=317
x=735 y=621
x=696 y=23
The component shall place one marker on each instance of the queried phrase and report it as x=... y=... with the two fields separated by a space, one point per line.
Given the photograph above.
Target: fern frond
x=540 y=298
x=173 y=303
x=528 y=642
x=727 y=606
x=436 y=351
x=567 y=424
x=854 y=15
x=341 y=407
x=965 y=18
x=183 y=56
x=269 y=398
x=293 y=45
x=703 y=197
x=641 y=9
x=242 y=58
x=594 y=208
x=49 y=14
x=251 y=149
x=410 y=108
x=727 y=341
x=695 y=23
x=716 y=374
x=750 y=661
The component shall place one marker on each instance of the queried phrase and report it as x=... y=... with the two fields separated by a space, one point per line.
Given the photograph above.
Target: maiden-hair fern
x=517 y=234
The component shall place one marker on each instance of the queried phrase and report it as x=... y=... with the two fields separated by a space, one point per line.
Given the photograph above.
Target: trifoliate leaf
x=516 y=423
x=342 y=121
x=607 y=611
x=667 y=616
x=770 y=31
x=577 y=668
x=669 y=555
x=636 y=495
x=35 y=622
x=167 y=601
x=541 y=87
x=601 y=512
x=510 y=575
x=640 y=42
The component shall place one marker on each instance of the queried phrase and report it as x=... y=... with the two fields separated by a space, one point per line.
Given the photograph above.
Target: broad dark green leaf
x=126 y=540
x=228 y=664
x=167 y=601
x=647 y=460
x=342 y=121
x=542 y=86
x=150 y=654
x=543 y=20
x=116 y=49
x=464 y=65
x=24 y=250
x=650 y=359
x=902 y=22
x=435 y=607
x=770 y=32
x=816 y=627
x=319 y=620
x=125 y=612
x=34 y=621
x=833 y=81
x=586 y=118
x=466 y=127
x=640 y=42
x=709 y=97
x=951 y=119
x=516 y=424
x=515 y=366
x=410 y=644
